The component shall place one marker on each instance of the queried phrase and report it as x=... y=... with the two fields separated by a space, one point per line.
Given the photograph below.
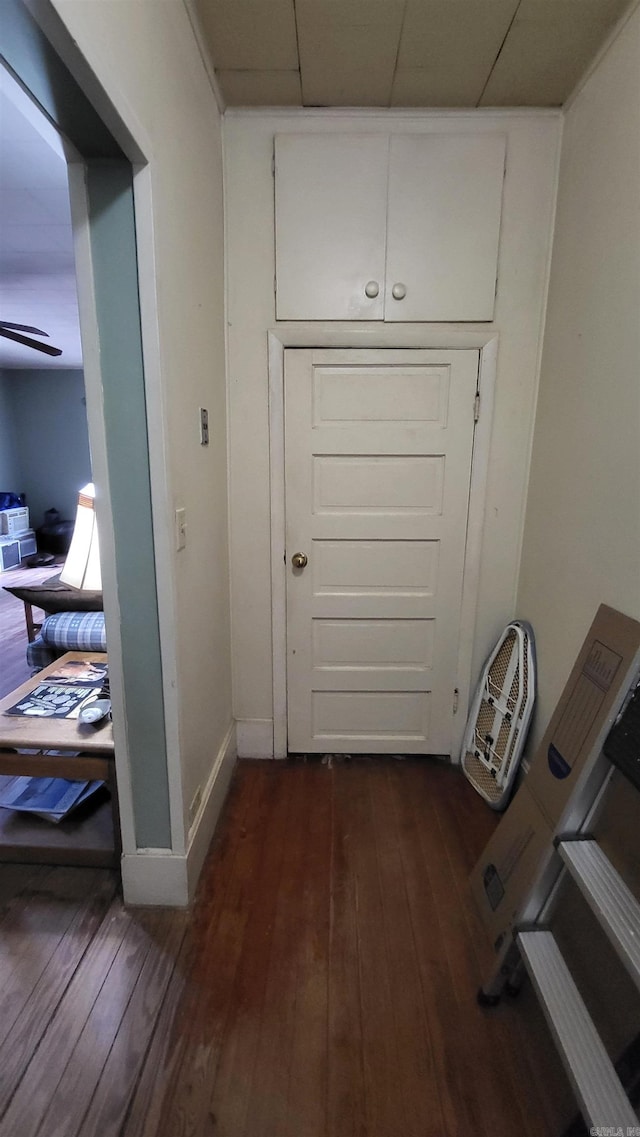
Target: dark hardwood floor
x=13 y=630
x=323 y=984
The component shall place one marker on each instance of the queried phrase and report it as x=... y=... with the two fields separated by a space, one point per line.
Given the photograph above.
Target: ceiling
x=403 y=53
x=409 y=53
x=37 y=271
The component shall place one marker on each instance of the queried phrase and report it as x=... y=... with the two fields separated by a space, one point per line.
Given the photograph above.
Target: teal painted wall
x=115 y=269
x=9 y=469
x=48 y=425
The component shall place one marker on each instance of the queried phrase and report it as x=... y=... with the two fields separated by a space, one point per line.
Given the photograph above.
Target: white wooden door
x=445 y=202
x=331 y=219
x=378 y=448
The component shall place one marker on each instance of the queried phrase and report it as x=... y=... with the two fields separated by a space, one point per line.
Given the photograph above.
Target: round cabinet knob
x=399 y=291
x=299 y=560
x=371 y=289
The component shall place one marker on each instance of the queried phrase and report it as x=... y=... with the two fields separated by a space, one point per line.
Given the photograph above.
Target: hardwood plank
x=465 y=816
x=346 y=1092
x=16 y=879
x=17 y=883
x=492 y=1082
x=324 y=987
x=308 y=1067
x=110 y=1101
x=146 y=1105
x=415 y=1072
x=43 y=1073
x=505 y=1020
x=288 y=1088
x=267 y=1092
x=384 y=1111
x=22 y=1040
x=30 y=939
x=237 y=1046
x=169 y=1044
x=460 y=1095
x=212 y=990
x=74 y=1093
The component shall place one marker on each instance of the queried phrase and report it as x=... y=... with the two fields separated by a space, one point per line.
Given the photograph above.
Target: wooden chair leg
x=32 y=630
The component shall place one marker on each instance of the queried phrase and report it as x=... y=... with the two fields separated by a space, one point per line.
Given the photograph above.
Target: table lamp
x=82 y=566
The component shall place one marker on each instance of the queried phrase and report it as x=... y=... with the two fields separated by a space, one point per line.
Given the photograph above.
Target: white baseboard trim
x=255 y=738
x=161 y=877
x=206 y=819
x=156 y=877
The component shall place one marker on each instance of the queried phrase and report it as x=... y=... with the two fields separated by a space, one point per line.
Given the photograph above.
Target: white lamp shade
x=82 y=566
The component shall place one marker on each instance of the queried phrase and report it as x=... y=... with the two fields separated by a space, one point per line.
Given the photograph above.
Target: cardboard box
x=516 y=853
x=605 y=667
x=522 y=845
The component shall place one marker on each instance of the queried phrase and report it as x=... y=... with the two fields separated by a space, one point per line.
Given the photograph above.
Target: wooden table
x=91 y=836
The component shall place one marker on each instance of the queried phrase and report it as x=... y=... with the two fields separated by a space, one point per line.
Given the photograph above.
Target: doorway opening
x=44 y=441
x=101 y=178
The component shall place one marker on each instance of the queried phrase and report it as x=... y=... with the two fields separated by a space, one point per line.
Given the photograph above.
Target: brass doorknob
x=299 y=560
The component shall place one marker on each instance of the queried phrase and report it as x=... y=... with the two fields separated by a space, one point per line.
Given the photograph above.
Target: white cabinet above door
x=331 y=216
x=443 y=227
x=377 y=227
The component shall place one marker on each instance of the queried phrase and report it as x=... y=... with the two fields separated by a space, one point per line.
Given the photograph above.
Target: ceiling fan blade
x=23 y=328
x=29 y=342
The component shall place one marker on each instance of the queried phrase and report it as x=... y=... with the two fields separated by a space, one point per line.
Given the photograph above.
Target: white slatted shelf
x=598 y=1089
x=614 y=906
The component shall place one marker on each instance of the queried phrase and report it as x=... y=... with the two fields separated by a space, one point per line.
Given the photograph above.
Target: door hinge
x=456 y=696
x=476 y=407
x=275 y=285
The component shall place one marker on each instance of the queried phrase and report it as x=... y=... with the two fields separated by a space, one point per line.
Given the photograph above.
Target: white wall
x=532 y=147
x=582 y=534
x=147 y=60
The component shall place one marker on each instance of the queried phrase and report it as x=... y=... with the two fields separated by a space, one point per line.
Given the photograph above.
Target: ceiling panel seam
x=500 y=50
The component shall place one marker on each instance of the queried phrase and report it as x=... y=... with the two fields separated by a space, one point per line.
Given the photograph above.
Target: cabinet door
x=445 y=200
x=331 y=204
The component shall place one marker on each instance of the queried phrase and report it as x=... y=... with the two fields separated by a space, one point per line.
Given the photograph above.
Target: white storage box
x=14 y=521
x=28 y=544
x=9 y=553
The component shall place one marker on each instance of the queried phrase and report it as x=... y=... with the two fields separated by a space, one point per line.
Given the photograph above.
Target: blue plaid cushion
x=40 y=655
x=75 y=631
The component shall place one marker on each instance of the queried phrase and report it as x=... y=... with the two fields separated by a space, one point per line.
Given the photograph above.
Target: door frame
x=104 y=136
x=343 y=336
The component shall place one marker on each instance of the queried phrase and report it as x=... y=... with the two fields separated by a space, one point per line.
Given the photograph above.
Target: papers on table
x=80 y=671
x=54 y=700
x=64 y=691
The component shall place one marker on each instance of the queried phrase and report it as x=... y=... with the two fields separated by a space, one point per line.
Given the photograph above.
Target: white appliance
x=14 y=521
x=28 y=544
x=9 y=553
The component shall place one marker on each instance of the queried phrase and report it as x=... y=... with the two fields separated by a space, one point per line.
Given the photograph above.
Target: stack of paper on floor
x=49 y=798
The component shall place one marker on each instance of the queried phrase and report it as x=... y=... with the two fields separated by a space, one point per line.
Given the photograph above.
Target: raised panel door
x=378 y=448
